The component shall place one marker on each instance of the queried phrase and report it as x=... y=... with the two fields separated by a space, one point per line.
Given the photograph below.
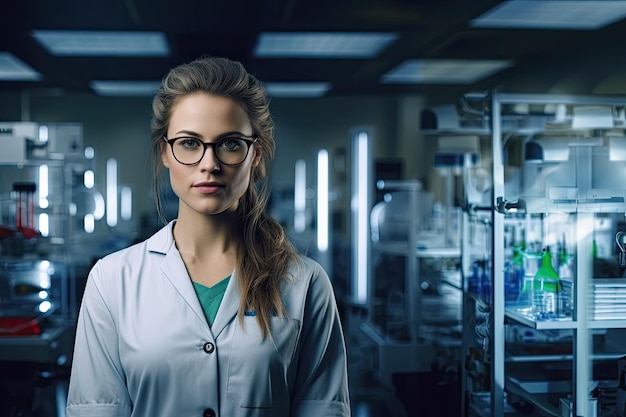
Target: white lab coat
x=144 y=348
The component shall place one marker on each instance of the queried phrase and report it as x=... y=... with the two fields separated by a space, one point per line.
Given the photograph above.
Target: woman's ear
x=257 y=157
x=164 y=155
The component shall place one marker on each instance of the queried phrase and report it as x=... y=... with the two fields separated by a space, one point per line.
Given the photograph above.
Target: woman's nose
x=209 y=161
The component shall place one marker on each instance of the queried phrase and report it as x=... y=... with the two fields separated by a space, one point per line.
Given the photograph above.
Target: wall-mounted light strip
x=111 y=198
x=99 y=210
x=89 y=223
x=126 y=203
x=362 y=214
x=299 y=197
x=44 y=224
x=43 y=133
x=360 y=207
x=43 y=186
x=89 y=179
x=322 y=201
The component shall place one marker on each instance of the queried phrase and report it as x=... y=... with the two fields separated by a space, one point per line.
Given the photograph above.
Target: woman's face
x=209 y=187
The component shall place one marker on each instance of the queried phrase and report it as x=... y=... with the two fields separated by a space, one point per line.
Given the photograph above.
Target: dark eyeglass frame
x=249 y=140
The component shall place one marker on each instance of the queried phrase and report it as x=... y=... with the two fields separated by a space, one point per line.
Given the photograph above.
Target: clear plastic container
x=547 y=290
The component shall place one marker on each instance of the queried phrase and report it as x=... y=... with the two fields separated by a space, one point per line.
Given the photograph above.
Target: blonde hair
x=264 y=251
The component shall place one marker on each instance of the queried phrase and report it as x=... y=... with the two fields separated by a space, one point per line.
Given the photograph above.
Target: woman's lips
x=208 y=188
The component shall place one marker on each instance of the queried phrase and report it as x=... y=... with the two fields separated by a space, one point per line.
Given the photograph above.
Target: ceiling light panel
x=92 y=43
x=297 y=89
x=322 y=44
x=124 y=88
x=14 y=69
x=443 y=71
x=552 y=14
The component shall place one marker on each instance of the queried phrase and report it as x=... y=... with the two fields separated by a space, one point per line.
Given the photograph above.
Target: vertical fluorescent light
x=44 y=225
x=126 y=203
x=99 y=210
x=299 y=197
x=89 y=179
x=43 y=186
x=43 y=133
x=362 y=192
x=322 y=200
x=111 y=185
x=360 y=215
x=89 y=223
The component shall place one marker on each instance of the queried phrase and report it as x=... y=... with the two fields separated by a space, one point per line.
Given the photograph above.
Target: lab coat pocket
x=258 y=367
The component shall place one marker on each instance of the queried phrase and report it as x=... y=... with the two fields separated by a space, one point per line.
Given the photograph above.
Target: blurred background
x=385 y=130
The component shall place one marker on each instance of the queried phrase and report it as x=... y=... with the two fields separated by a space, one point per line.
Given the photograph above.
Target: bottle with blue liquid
x=485 y=283
x=473 y=283
x=514 y=274
x=479 y=282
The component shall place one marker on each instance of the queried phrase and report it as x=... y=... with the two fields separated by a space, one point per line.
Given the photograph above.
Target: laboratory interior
x=458 y=168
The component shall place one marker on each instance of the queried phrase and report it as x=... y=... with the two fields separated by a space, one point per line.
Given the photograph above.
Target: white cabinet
x=558 y=183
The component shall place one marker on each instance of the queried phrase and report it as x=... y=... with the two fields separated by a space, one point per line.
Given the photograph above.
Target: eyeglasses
x=228 y=151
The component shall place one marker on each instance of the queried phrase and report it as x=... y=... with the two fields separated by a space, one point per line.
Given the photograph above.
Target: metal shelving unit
x=37 y=281
x=581 y=139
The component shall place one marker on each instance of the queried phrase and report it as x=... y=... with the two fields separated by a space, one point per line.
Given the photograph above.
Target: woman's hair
x=264 y=251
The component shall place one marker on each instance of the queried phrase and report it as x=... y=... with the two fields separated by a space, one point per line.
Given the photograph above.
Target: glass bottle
x=547 y=289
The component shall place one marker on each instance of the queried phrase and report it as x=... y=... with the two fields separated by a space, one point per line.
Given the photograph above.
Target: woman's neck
x=200 y=234
x=207 y=246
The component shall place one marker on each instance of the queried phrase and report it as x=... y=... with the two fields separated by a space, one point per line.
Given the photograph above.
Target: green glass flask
x=547 y=289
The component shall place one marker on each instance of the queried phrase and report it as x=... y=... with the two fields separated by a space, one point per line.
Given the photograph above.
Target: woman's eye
x=230 y=144
x=189 y=143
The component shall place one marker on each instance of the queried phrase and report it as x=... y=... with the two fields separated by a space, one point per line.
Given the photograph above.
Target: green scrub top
x=211 y=298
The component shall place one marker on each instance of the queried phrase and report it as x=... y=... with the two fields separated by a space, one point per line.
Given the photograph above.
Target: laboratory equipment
x=553 y=187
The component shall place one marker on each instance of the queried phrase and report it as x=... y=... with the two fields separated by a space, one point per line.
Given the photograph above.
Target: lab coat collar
x=163 y=240
x=174 y=269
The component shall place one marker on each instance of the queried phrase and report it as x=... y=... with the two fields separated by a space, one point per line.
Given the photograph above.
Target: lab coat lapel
x=228 y=307
x=174 y=270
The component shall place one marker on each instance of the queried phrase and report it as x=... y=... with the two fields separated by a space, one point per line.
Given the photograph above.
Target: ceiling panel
x=428 y=29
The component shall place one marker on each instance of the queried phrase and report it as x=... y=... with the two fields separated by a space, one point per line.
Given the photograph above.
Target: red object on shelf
x=28 y=232
x=25 y=204
x=6 y=232
x=19 y=326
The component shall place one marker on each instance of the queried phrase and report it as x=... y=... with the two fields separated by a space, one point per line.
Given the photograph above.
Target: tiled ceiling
x=427 y=29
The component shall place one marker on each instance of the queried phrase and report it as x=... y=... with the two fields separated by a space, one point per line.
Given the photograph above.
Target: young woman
x=215 y=314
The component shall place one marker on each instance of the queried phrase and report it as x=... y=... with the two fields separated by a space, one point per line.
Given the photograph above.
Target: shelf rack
x=594 y=121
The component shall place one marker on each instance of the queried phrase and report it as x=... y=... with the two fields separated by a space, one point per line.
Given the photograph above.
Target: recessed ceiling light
x=443 y=71
x=322 y=44
x=297 y=89
x=125 y=88
x=13 y=69
x=93 y=43
x=552 y=14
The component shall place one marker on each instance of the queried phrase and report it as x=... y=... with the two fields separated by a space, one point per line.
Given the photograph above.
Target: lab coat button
x=208 y=348
x=208 y=413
